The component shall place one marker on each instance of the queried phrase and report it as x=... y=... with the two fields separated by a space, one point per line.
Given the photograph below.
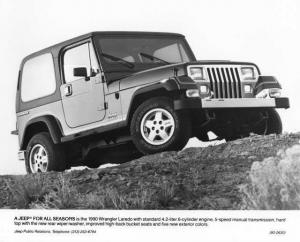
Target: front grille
x=225 y=82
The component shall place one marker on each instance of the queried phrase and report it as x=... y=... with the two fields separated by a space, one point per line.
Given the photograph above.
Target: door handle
x=68 y=90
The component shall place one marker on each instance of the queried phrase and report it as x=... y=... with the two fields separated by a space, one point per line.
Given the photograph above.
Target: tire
x=42 y=155
x=274 y=123
x=157 y=127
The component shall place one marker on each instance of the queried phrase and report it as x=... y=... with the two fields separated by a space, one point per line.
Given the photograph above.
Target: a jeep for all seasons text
x=113 y=96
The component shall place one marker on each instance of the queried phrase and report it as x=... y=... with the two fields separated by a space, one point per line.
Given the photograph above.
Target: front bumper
x=196 y=103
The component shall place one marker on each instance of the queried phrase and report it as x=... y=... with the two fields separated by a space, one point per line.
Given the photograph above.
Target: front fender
x=166 y=84
x=173 y=87
x=265 y=82
x=176 y=83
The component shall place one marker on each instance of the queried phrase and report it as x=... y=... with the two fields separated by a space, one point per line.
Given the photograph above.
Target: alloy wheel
x=38 y=159
x=157 y=126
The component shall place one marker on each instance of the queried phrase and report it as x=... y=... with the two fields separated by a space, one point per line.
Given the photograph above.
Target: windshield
x=125 y=55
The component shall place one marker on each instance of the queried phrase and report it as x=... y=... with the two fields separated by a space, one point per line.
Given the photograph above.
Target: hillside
x=195 y=178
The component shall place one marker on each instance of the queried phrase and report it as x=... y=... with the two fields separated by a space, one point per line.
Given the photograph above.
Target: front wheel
x=157 y=127
x=274 y=123
x=271 y=125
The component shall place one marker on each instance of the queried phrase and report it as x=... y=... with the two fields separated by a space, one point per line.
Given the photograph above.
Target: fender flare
x=265 y=82
x=166 y=85
x=52 y=125
x=173 y=84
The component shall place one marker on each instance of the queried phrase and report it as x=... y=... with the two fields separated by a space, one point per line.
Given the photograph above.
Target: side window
x=79 y=56
x=38 y=78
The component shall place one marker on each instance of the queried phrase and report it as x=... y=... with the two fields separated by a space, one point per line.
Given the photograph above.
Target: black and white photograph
x=162 y=115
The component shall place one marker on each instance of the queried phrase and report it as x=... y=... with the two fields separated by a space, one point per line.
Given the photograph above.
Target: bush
x=110 y=198
x=274 y=183
x=25 y=191
x=166 y=193
x=62 y=196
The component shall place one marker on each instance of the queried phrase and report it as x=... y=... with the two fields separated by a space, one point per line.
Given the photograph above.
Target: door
x=82 y=97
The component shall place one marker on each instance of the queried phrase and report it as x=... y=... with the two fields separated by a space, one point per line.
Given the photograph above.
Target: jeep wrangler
x=114 y=96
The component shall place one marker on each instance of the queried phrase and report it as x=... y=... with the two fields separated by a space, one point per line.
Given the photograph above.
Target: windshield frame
x=127 y=71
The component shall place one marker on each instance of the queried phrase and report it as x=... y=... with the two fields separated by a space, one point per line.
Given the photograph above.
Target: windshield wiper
x=153 y=58
x=119 y=60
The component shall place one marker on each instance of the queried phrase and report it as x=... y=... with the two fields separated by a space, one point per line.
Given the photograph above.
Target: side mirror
x=80 y=71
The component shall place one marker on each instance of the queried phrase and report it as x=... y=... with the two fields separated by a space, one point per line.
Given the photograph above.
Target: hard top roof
x=58 y=46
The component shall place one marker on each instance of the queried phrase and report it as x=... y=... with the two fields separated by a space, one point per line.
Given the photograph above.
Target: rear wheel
x=42 y=155
x=157 y=127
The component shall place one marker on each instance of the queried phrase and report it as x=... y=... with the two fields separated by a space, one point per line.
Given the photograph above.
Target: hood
x=153 y=75
x=167 y=71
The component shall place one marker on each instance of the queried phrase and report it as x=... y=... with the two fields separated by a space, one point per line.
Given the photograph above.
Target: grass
x=166 y=193
x=274 y=183
x=24 y=192
x=62 y=196
x=34 y=192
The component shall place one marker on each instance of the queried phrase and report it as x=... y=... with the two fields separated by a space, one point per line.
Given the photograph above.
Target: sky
x=260 y=31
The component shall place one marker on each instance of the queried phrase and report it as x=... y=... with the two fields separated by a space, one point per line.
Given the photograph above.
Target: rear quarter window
x=38 y=78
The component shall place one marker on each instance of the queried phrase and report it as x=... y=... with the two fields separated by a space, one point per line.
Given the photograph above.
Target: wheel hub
x=38 y=159
x=157 y=126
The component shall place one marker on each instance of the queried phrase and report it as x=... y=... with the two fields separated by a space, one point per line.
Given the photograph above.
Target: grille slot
x=225 y=82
